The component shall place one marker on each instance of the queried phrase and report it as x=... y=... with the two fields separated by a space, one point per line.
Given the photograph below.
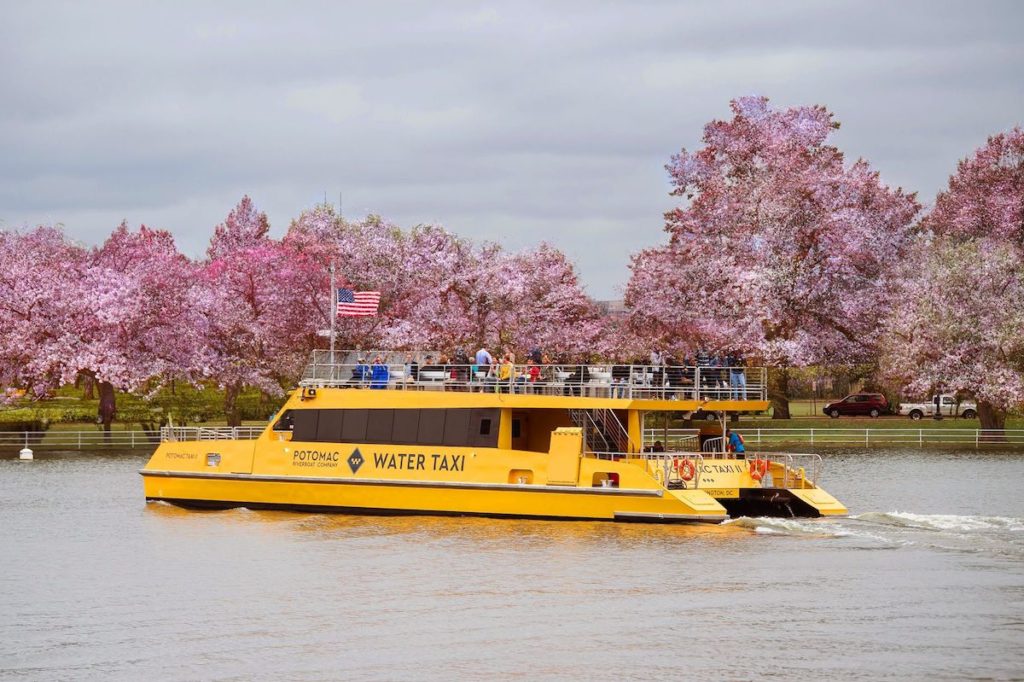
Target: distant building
x=615 y=308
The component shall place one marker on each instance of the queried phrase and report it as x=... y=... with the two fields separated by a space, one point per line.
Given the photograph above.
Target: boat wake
x=995 y=535
x=819 y=528
x=943 y=522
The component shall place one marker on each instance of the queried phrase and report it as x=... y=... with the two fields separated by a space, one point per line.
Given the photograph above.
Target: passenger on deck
x=379 y=374
x=735 y=442
x=620 y=381
x=411 y=368
x=737 y=376
x=532 y=375
x=658 y=447
x=707 y=378
x=674 y=379
x=484 y=360
x=505 y=375
x=658 y=373
x=547 y=371
x=462 y=368
x=575 y=381
x=360 y=373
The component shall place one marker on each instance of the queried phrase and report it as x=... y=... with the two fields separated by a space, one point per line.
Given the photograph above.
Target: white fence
x=79 y=440
x=760 y=437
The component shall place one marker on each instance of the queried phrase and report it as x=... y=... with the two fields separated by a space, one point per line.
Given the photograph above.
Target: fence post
x=812 y=436
x=920 y=437
x=867 y=433
x=977 y=438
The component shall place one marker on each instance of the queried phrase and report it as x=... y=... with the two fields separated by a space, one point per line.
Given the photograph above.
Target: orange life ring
x=758 y=468
x=687 y=470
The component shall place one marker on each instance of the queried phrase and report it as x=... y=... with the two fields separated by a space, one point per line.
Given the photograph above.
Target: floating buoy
x=26 y=453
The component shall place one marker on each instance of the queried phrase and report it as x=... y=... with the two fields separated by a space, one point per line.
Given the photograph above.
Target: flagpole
x=333 y=312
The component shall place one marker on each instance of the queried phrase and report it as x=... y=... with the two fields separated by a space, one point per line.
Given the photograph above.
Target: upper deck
x=648 y=387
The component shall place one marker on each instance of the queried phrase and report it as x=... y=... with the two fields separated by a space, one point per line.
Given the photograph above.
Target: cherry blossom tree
x=40 y=275
x=469 y=296
x=247 y=296
x=780 y=249
x=136 y=321
x=958 y=325
x=957 y=328
x=245 y=227
x=369 y=255
x=439 y=290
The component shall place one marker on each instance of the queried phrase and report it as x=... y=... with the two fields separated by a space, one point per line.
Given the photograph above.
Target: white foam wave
x=800 y=527
x=943 y=522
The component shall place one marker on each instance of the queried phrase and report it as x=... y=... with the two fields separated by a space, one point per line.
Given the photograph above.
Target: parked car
x=949 y=406
x=859 y=404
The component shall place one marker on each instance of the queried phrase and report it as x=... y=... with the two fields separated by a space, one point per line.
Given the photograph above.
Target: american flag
x=358 y=303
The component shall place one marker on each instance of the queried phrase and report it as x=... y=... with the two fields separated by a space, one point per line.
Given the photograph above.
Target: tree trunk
x=992 y=420
x=88 y=387
x=231 y=405
x=778 y=391
x=108 y=406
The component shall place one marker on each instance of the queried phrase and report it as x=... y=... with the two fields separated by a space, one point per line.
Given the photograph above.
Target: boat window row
x=473 y=427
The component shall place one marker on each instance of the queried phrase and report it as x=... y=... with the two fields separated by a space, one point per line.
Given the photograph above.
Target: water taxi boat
x=562 y=443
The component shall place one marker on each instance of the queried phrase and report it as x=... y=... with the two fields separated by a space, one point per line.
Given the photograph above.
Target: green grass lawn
x=185 y=405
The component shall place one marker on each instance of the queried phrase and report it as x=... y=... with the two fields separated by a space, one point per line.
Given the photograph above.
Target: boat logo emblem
x=355 y=460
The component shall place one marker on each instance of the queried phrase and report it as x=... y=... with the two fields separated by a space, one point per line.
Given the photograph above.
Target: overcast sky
x=514 y=122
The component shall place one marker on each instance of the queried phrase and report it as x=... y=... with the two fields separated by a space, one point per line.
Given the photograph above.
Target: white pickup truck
x=948 y=406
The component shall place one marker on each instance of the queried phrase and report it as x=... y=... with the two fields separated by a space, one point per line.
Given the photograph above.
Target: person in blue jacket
x=379 y=373
x=736 y=445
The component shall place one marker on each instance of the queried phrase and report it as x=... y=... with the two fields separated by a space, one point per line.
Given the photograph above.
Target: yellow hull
x=387 y=498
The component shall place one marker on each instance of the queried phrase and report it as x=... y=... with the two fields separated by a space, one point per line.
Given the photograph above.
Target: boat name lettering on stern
x=315 y=458
x=722 y=468
x=418 y=462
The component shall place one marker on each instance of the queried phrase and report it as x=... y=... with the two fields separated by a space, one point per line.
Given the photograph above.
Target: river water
x=924 y=581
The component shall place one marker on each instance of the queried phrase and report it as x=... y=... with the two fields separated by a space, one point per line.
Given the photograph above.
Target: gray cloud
x=513 y=122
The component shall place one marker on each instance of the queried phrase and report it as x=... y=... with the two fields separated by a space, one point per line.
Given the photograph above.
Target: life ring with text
x=758 y=468
x=687 y=470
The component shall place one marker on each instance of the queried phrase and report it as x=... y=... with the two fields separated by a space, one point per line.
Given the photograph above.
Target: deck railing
x=605 y=380
x=176 y=433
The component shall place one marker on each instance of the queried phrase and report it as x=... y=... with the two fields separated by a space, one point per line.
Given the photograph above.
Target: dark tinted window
x=456 y=427
x=379 y=425
x=406 y=426
x=432 y=426
x=305 y=424
x=328 y=429
x=516 y=428
x=354 y=428
x=285 y=423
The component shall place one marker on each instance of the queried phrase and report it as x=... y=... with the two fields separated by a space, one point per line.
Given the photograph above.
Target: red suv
x=870 y=404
